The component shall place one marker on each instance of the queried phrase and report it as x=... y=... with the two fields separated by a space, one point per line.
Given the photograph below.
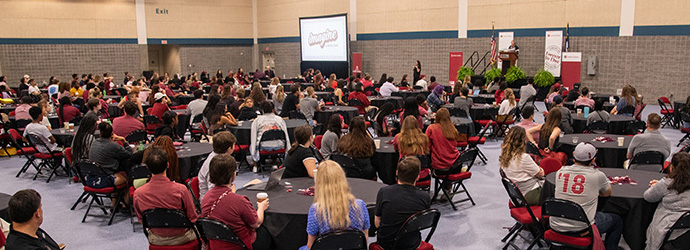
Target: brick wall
x=210 y=58
x=287 y=58
x=63 y=60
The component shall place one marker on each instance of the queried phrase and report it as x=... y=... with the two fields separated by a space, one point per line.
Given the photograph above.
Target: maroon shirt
x=362 y=98
x=444 y=152
x=161 y=192
x=125 y=125
x=159 y=109
x=68 y=113
x=234 y=210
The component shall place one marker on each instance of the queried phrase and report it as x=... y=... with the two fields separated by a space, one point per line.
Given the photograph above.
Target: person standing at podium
x=514 y=47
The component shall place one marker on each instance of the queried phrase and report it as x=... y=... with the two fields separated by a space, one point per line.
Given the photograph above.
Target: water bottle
x=141 y=146
x=104 y=93
x=586 y=112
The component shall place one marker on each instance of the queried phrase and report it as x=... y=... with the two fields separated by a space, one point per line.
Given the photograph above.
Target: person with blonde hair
x=334 y=208
x=278 y=98
x=411 y=140
x=626 y=99
x=519 y=167
x=508 y=103
x=309 y=105
x=275 y=82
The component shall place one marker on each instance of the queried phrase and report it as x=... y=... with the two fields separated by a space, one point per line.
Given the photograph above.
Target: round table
x=64 y=136
x=385 y=160
x=322 y=95
x=626 y=200
x=397 y=101
x=483 y=98
x=53 y=119
x=243 y=130
x=407 y=93
x=347 y=112
x=607 y=106
x=462 y=124
x=286 y=218
x=190 y=156
x=4 y=204
x=609 y=154
x=603 y=97
x=618 y=124
x=114 y=97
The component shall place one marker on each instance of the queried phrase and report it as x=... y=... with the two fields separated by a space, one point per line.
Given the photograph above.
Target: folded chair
x=455 y=176
x=211 y=229
x=421 y=220
x=169 y=218
x=668 y=113
x=526 y=216
x=93 y=170
x=341 y=239
x=566 y=209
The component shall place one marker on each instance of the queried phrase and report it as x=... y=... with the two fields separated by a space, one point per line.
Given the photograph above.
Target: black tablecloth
x=571 y=105
x=185 y=99
x=405 y=93
x=182 y=122
x=53 y=119
x=462 y=124
x=64 y=136
x=385 y=160
x=609 y=154
x=618 y=124
x=346 y=111
x=626 y=200
x=243 y=130
x=7 y=108
x=4 y=203
x=286 y=218
x=397 y=101
x=322 y=95
x=603 y=97
x=482 y=98
x=479 y=111
x=189 y=156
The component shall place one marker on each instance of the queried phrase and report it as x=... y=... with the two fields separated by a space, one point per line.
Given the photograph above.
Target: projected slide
x=324 y=38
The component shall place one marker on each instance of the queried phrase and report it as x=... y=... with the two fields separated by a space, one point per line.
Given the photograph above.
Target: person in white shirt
x=388 y=87
x=526 y=92
x=41 y=131
x=422 y=82
x=33 y=88
x=267 y=121
x=223 y=143
x=519 y=167
x=508 y=103
x=196 y=106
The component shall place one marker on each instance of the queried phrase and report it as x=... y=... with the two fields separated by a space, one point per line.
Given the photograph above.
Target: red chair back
x=317 y=141
x=665 y=100
x=550 y=165
x=15 y=135
x=68 y=155
x=194 y=184
x=2 y=239
x=12 y=113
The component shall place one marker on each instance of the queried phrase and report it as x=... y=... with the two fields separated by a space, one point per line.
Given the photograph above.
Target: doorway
x=164 y=58
x=268 y=59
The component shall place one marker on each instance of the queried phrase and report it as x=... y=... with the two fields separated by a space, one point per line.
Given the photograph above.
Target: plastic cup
x=561 y=135
x=579 y=112
x=575 y=139
x=65 y=125
x=493 y=103
x=621 y=140
x=377 y=142
x=261 y=197
x=315 y=171
x=71 y=126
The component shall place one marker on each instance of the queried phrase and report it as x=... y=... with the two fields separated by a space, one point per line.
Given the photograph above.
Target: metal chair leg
x=78 y=200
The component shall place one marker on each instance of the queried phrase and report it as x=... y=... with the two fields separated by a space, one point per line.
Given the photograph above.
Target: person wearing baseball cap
x=583 y=184
x=566 y=117
x=553 y=92
x=160 y=105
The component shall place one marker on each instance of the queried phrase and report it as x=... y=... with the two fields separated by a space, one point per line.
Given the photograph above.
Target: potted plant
x=543 y=81
x=464 y=71
x=514 y=73
x=491 y=74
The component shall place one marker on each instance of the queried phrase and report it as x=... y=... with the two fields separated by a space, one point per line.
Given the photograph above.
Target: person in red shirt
x=67 y=112
x=500 y=93
x=221 y=203
x=359 y=95
x=125 y=125
x=443 y=138
x=160 y=105
x=176 y=196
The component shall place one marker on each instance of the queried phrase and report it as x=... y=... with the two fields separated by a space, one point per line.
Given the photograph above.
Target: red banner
x=454 y=66
x=356 y=63
x=570 y=68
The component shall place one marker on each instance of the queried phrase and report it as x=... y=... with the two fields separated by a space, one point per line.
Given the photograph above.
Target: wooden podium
x=509 y=58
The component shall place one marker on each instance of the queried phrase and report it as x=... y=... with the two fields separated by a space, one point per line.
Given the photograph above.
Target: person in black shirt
x=169 y=124
x=248 y=110
x=300 y=161
x=291 y=101
x=269 y=72
x=396 y=203
x=574 y=93
x=27 y=217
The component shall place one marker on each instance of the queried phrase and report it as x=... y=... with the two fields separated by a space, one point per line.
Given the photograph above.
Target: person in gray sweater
x=672 y=193
x=329 y=142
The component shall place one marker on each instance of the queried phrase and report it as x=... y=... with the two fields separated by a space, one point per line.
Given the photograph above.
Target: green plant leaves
x=464 y=71
x=514 y=73
x=543 y=78
x=491 y=74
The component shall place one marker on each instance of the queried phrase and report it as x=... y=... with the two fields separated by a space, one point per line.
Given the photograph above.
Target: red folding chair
x=550 y=165
x=454 y=176
x=473 y=141
x=526 y=216
x=28 y=152
x=668 y=113
x=424 y=177
x=51 y=160
x=93 y=170
x=279 y=154
x=582 y=239
x=317 y=141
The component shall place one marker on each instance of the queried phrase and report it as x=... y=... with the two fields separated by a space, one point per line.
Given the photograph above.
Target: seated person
x=573 y=94
x=329 y=142
x=133 y=97
x=327 y=214
x=128 y=123
x=674 y=199
x=176 y=196
x=67 y=112
x=45 y=106
x=388 y=87
x=94 y=106
x=160 y=105
x=291 y=101
x=626 y=99
x=98 y=95
x=41 y=131
x=463 y=102
x=650 y=140
x=21 y=112
x=396 y=203
x=507 y=105
x=422 y=105
x=81 y=143
x=300 y=161
x=196 y=106
x=169 y=125
x=267 y=121
x=358 y=94
x=221 y=117
x=599 y=114
x=308 y=105
x=553 y=92
x=223 y=143
x=549 y=132
x=584 y=99
x=358 y=145
x=411 y=140
x=26 y=211
x=528 y=120
x=519 y=167
x=248 y=110
x=566 y=117
x=236 y=211
x=526 y=92
x=435 y=98
x=110 y=156
x=593 y=183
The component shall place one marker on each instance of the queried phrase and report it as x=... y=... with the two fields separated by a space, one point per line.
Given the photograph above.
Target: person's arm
x=122 y=102
x=228 y=119
x=260 y=209
x=530 y=131
x=631 y=148
x=532 y=167
x=554 y=135
x=310 y=165
x=656 y=191
x=52 y=139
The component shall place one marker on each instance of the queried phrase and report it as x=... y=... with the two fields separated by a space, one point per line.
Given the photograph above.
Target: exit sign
x=161 y=11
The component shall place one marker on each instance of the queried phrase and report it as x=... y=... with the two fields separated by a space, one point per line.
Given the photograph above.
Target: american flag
x=567 y=37
x=494 y=54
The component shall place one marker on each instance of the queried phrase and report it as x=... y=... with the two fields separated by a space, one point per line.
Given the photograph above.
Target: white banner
x=572 y=57
x=552 y=54
x=504 y=39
